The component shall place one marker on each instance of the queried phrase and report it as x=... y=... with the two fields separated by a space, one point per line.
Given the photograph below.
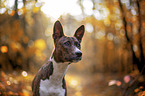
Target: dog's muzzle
x=78 y=54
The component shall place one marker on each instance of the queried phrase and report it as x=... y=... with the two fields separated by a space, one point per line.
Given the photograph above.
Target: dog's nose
x=79 y=54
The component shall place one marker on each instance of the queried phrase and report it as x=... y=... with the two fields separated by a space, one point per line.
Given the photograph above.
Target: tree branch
x=124 y=20
x=142 y=62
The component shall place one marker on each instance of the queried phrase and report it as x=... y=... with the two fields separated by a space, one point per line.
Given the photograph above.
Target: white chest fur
x=53 y=85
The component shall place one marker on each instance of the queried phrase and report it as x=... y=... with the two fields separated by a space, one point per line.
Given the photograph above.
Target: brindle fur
x=46 y=68
x=64 y=53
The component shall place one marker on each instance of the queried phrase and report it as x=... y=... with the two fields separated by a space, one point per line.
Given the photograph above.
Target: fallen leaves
x=4 y=49
x=114 y=82
x=126 y=78
x=140 y=90
x=15 y=84
x=130 y=82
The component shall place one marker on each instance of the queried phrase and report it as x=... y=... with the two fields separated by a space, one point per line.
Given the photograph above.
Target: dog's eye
x=67 y=43
x=77 y=44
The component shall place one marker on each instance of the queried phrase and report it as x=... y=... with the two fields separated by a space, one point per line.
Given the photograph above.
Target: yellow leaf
x=118 y=83
x=10 y=93
x=4 y=49
x=142 y=93
x=40 y=44
x=35 y=9
x=24 y=10
x=12 y=13
x=25 y=92
x=136 y=90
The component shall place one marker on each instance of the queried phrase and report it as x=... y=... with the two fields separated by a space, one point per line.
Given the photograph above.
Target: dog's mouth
x=73 y=59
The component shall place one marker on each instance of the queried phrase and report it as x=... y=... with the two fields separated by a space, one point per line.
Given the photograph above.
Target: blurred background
x=113 y=45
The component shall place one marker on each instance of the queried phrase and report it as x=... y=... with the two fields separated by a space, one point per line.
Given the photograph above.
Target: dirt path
x=91 y=85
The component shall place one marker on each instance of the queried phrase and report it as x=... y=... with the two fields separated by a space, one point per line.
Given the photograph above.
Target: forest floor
x=97 y=84
x=93 y=85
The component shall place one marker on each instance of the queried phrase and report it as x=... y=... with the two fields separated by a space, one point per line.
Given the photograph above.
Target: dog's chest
x=53 y=85
x=47 y=88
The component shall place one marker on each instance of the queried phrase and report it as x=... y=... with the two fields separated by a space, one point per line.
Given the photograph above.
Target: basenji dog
x=49 y=81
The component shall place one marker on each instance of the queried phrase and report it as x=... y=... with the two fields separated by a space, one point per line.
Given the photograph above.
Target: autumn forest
x=113 y=46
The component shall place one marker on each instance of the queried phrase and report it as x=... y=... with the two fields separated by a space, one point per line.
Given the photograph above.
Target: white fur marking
x=77 y=49
x=53 y=85
x=48 y=89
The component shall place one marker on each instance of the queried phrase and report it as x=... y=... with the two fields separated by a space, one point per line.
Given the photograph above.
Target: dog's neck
x=59 y=70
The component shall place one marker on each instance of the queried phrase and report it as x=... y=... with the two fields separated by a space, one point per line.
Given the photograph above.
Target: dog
x=49 y=80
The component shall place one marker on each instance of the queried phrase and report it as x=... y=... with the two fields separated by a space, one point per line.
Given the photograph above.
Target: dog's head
x=67 y=49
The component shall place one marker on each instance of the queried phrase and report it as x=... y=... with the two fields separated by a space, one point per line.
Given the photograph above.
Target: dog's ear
x=57 y=30
x=79 y=33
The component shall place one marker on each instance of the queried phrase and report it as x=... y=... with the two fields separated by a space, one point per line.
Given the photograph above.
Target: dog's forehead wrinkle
x=65 y=39
x=73 y=39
